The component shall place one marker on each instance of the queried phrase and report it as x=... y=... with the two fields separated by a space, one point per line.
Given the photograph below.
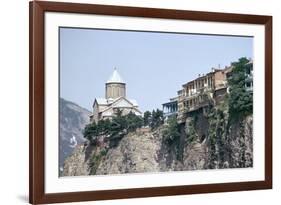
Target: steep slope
x=146 y=151
x=136 y=153
x=73 y=119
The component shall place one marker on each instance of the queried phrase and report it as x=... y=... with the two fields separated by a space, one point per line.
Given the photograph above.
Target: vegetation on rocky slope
x=224 y=119
x=220 y=136
x=121 y=125
x=240 y=100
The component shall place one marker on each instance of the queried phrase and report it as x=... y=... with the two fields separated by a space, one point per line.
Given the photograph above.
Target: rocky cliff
x=207 y=141
x=212 y=132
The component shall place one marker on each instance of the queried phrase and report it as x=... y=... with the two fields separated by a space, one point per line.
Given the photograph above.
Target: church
x=115 y=100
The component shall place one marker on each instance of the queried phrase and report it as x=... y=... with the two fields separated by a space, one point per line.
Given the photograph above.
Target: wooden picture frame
x=37 y=11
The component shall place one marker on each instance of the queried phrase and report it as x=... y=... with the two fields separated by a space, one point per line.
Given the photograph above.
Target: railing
x=167 y=114
x=198 y=92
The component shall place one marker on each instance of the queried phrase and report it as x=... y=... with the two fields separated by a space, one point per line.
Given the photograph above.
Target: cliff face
x=207 y=141
x=232 y=147
x=76 y=164
x=136 y=152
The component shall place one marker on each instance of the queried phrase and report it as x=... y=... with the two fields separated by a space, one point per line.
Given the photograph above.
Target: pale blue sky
x=153 y=65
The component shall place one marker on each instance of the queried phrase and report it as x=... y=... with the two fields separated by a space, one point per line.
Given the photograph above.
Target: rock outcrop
x=76 y=165
x=136 y=152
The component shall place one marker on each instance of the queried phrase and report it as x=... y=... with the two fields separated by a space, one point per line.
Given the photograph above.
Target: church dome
x=115 y=77
x=115 y=87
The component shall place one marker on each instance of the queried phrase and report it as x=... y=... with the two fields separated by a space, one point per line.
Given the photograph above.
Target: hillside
x=146 y=150
x=212 y=130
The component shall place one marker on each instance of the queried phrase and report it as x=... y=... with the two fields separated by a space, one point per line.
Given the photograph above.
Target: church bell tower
x=115 y=87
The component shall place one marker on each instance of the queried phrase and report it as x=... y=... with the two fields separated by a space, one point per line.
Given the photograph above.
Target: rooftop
x=115 y=77
x=103 y=101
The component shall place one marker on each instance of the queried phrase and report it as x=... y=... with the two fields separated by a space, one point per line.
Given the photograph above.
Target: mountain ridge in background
x=73 y=119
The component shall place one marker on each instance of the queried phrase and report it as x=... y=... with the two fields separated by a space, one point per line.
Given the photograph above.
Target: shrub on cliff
x=240 y=100
x=133 y=122
x=147 y=118
x=114 y=129
x=172 y=132
x=157 y=118
x=94 y=130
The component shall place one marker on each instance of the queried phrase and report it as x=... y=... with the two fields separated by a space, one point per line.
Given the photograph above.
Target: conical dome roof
x=115 y=77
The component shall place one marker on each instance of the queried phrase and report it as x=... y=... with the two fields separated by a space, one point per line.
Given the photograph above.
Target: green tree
x=91 y=132
x=172 y=132
x=191 y=135
x=240 y=100
x=104 y=127
x=133 y=122
x=147 y=118
x=157 y=118
x=118 y=124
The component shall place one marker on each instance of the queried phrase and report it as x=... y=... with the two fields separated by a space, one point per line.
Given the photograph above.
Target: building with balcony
x=202 y=91
x=170 y=108
x=205 y=90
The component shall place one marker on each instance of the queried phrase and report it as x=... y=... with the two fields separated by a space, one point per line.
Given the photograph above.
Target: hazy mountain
x=73 y=119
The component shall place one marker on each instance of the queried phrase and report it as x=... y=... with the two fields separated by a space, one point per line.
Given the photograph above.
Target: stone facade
x=115 y=90
x=115 y=100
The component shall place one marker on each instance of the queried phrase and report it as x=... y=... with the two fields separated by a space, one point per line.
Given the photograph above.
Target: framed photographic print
x=139 y=102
